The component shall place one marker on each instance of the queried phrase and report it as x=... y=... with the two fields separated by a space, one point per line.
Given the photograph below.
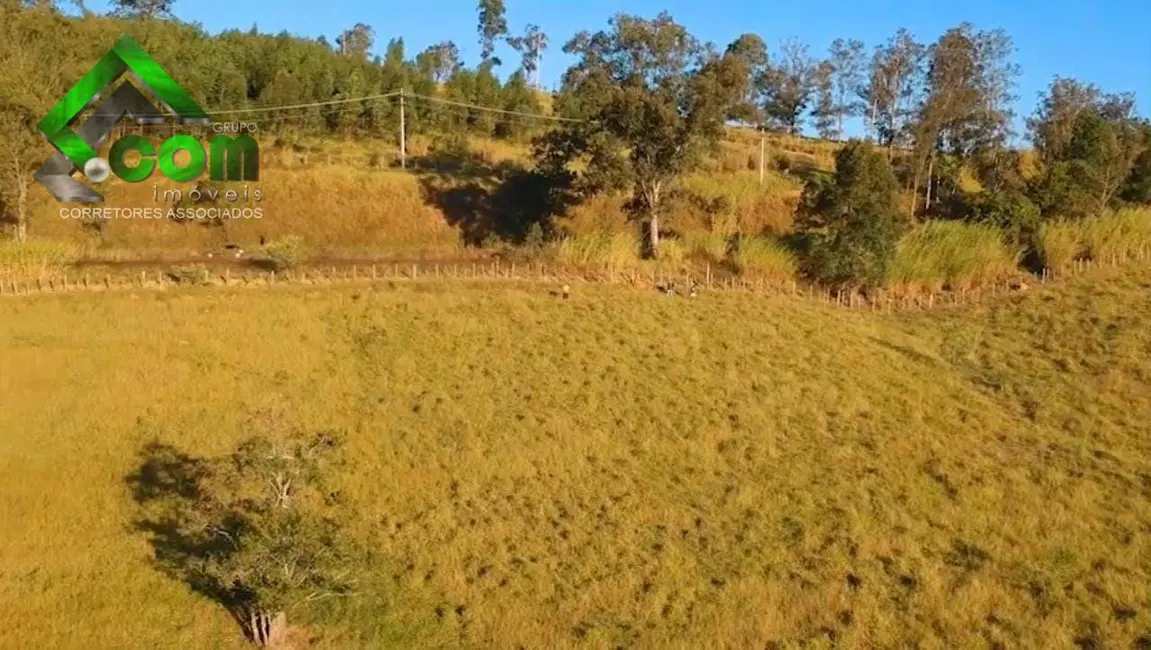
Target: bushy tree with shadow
x=258 y=530
x=850 y=221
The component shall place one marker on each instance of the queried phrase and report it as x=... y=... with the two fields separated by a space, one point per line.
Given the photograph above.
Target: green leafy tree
x=653 y=99
x=1102 y=154
x=846 y=72
x=1053 y=124
x=531 y=47
x=746 y=63
x=1089 y=144
x=851 y=220
x=893 y=79
x=966 y=107
x=825 y=114
x=493 y=25
x=487 y=92
x=260 y=529
x=143 y=8
x=518 y=97
x=357 y=41
x=787 y=86
x=439 y=62
x=33 y=76
x=1137 y=189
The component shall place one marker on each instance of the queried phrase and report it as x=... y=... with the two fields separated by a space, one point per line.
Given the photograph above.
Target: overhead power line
x=333 y=102
x=538 y=116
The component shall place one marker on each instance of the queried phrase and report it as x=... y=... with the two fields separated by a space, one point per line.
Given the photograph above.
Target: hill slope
x=619 y=468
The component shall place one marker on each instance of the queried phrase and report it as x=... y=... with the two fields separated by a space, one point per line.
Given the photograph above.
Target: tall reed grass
x=598 y=250
x=1118 y=236
x=951 y=254
x=36 y=258
x=765 y=258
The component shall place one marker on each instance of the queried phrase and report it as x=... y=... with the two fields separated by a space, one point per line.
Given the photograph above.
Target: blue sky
x=1107 y=42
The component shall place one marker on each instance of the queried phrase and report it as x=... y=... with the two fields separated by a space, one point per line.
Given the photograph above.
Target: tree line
x=649 y=101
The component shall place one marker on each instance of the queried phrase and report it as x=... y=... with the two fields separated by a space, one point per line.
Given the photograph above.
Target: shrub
x=35 y=258
x=711 y=246
x=1010 y=211
x=283 y=253
x=766 y=258
x=672 y=251
x=195 y=274
x=619 y=250
x=851 y=220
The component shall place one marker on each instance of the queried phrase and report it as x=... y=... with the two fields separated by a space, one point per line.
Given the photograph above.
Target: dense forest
x=643 y=102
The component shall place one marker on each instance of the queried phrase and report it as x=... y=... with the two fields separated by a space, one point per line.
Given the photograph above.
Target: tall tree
x=851 y=220
x=652 y=100
x=787 y=86
x=966 y=106
x=531 y=47
x=439 y=62
x=493 y=25
x=1090 y=146
x=32 y=78
x=825 y=113
x=1053 y=124
x=143 y=8
x=357 y=41
x=889 y=93
x=1104 y=147
x=846 y=71
x=747 y=65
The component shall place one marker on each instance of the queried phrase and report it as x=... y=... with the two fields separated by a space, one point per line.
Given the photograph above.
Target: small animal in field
x=566 y=291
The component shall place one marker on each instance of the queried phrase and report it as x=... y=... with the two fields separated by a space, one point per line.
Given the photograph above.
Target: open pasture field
x=621 y=469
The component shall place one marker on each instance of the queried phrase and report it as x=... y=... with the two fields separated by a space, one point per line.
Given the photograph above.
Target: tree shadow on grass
x=502 y=200
x=166 y=485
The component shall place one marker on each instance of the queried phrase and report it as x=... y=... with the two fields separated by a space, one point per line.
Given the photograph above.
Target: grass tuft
x=766 y=258
x=36 y=258
x=1118 y=236
x=951 y=254
x=598 y=250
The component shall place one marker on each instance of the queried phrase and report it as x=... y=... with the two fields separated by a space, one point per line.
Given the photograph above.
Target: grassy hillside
x=345 y=196
x=622 y=468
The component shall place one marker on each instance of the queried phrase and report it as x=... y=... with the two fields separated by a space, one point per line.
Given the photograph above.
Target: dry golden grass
x=1118 y=236
x=35 y=258
x=954 y=255
x=333 y=208
x=347 y=195
x=617 y=469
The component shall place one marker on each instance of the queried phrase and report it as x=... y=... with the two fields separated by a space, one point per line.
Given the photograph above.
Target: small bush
x=672 y=251
x=196 y=274
x=711 y=246
x=620 y=250
x=283 y=253
x=765 y=258
x=36 y=258
x=1011 y=211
